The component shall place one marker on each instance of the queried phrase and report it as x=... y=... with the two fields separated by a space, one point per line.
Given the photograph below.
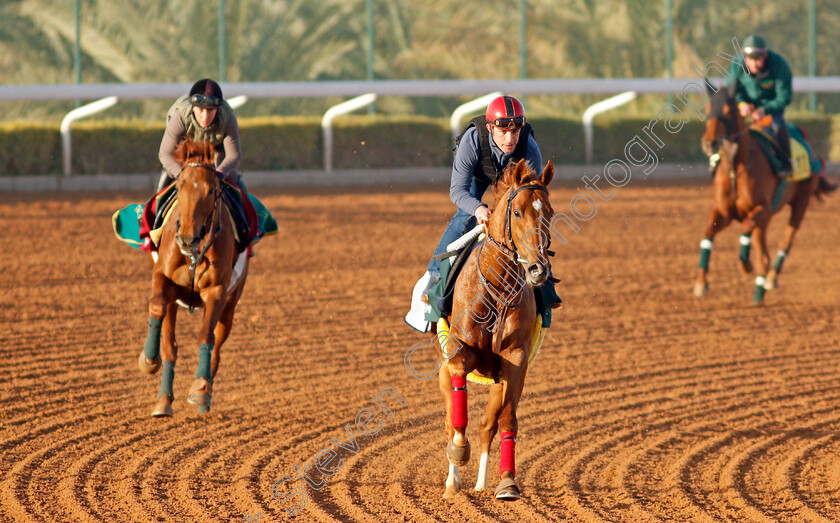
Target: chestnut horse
x=747 y=190
x=493 y=318
x=194 y=266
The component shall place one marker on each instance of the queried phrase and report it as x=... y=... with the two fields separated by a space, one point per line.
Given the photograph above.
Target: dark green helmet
x=754 y=45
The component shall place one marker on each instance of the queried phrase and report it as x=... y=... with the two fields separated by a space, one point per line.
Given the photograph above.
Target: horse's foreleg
x=514 y=366
x=489 y=426
x=717 y=223
x=453 y=479
x=201 y=390
x=453 y=385
x=163 y=407
x=149 y=360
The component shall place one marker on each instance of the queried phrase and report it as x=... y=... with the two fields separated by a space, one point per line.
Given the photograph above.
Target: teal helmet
x=754 y=45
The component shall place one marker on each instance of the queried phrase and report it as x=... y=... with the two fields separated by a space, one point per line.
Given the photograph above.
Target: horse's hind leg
x=717 y=223
x=163 y=407
x=489 y=426
x=797 y=214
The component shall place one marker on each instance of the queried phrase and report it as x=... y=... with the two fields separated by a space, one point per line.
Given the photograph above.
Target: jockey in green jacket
x=765 y=90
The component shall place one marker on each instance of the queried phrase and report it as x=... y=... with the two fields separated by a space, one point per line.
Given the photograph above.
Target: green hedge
x=295 y=143
x=27 y=148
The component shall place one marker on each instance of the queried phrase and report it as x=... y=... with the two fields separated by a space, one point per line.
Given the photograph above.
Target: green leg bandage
x=758 y=297
x=705 y=253
x=167 y=376
x=780 y=259
x=204 y=352
x=152 y=347
x=746 y=243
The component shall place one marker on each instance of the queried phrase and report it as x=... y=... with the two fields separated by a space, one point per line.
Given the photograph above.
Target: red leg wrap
x=459 y=402
x=507 y=454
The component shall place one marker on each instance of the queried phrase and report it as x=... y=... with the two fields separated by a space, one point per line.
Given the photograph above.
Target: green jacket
x=771 y=90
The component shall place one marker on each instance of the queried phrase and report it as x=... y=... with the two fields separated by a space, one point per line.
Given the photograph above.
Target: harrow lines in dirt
x=645 y=404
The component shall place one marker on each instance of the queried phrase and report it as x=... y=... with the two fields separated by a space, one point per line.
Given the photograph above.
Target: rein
x=734 y=137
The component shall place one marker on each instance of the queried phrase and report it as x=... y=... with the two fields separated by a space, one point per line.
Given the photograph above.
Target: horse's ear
x=521 y=171
x=209 y=152
x=547 y=174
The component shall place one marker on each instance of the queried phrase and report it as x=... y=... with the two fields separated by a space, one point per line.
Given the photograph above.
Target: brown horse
x=197 y=266
x=493 y=318
x=747 y=190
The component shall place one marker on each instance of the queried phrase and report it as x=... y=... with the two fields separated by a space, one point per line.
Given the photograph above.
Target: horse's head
x=198 y=192
x=521 y=218
x=723 y=123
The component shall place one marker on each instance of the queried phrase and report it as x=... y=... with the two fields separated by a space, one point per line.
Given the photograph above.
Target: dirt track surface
x=645 y=403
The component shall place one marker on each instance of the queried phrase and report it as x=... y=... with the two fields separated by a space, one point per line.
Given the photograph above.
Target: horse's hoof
x=147 y=367
x=458 y=456
x=163 y=408
x=203 y=410
x=508 y=490
x=451 y=492
x=200 y=393
x=746 y=267
x=770 y=283
x=701 y=289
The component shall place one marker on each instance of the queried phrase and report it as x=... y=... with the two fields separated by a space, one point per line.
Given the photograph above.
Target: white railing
x=386 y=88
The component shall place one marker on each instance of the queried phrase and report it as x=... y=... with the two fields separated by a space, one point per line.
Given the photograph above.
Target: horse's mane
x=190 y=151
x=504 y=182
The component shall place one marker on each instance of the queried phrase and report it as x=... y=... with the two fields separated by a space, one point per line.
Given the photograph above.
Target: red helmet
x=506 y=112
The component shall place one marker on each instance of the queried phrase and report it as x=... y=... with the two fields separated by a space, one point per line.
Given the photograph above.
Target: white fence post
x=237 y=101
x=77 y=114
x=326 y=122
x=597 y=108
x=467 y=108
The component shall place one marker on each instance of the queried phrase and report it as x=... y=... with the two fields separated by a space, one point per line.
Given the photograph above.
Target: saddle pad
x=126 y=223
x=537 y=337
x=803 y=160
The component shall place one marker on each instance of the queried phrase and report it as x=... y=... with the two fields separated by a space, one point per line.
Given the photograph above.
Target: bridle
x=215 y=230
x=733 y=136
x=511 y=253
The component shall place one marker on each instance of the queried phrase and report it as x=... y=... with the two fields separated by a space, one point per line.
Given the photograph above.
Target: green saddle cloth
x=126 y=222
x=772 y=151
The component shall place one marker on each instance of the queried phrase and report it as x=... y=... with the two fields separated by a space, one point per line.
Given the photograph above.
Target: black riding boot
x=163 y=181
x=783 y=137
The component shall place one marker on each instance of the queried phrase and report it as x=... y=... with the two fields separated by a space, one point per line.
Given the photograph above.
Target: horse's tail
x=824 y=187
